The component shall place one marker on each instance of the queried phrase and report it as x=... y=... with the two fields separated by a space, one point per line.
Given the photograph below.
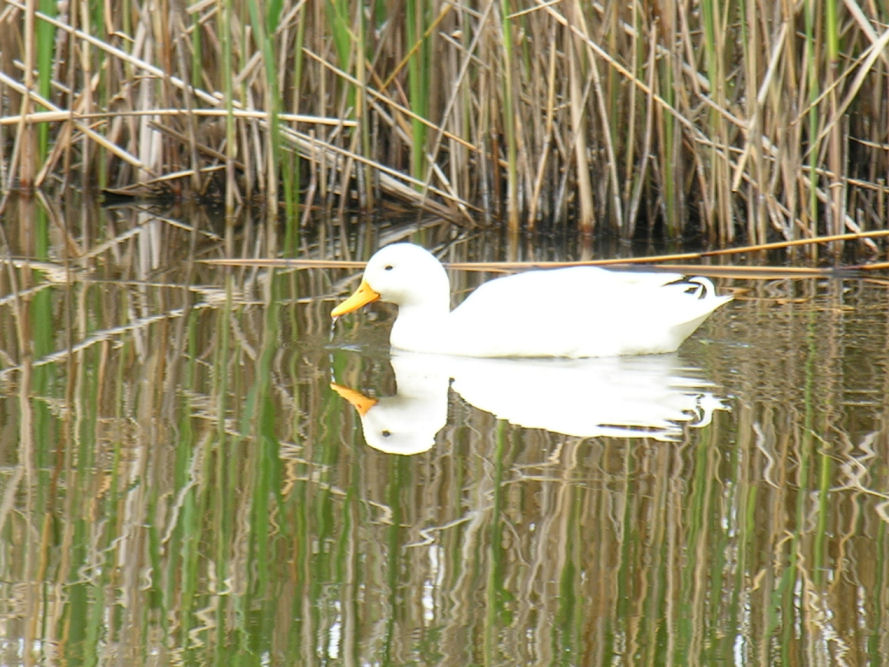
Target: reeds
x=735 y=120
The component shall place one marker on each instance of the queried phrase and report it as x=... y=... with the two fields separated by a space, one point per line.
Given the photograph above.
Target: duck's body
x=570 y=312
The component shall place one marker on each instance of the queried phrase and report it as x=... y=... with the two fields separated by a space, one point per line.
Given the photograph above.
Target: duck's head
x=402 y=273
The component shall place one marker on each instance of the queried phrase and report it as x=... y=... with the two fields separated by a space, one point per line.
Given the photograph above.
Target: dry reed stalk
x=723 y=271
x=577 y=95
x=755 y=121
x=665 y=262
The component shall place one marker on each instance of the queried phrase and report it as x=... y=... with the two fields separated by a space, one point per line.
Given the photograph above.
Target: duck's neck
x=421 y=327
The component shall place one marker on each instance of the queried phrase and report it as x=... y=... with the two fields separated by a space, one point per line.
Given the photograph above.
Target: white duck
x=571 y=312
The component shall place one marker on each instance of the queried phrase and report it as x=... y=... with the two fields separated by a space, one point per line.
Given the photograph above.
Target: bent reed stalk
x=739 y=120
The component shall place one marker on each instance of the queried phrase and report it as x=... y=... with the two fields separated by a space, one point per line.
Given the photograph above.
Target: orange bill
x=362 y=296
x=358 y=400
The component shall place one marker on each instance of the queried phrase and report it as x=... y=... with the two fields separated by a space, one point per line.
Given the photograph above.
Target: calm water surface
x=184 y=477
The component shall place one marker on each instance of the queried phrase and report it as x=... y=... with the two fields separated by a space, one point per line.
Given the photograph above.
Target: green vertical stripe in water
x=875 y=640
x=495 y=610
x=569 y=624
x=259 y=427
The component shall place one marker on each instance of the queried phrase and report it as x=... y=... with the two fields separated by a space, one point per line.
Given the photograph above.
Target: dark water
x=180 y=483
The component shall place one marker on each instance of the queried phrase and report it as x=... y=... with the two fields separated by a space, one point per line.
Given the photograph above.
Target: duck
x=580 y=311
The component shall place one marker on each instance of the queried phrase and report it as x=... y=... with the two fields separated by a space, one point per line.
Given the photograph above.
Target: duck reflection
x=643 y=396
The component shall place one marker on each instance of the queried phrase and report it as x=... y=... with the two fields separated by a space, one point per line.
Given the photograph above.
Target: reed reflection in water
x=180 y=484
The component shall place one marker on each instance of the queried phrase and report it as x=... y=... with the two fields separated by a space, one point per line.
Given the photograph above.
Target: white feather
x=570 y=312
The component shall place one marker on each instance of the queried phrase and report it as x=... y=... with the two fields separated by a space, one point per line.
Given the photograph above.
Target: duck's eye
x=386 y=433
x=388 y=267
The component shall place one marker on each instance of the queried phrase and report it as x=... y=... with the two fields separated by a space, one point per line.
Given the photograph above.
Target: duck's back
x=580 y=311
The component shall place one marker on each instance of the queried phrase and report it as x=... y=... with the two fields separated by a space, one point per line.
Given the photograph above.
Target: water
x=179 y=482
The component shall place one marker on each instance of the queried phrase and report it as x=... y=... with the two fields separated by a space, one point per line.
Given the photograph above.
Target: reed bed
x=744 y=120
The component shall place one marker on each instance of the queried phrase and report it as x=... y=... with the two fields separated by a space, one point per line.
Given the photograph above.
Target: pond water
x=185 y=478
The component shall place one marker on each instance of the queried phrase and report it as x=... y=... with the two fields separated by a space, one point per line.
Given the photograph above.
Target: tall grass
x=734 y=120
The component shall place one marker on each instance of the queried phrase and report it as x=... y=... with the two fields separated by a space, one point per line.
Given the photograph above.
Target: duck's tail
x=702 y=288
